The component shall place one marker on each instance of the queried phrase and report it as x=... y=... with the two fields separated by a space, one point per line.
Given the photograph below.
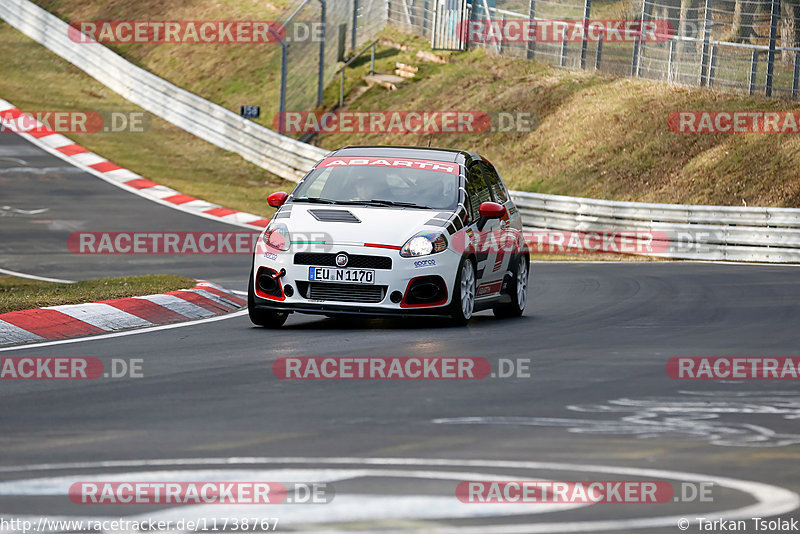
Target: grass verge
x=24 y=294
x=163 y=153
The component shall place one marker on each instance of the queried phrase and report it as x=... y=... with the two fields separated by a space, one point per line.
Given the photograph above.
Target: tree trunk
x=689 y=25
x=742 y=28
x=790 y=29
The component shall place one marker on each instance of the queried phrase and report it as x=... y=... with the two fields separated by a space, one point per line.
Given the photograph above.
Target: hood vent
x=334 y=216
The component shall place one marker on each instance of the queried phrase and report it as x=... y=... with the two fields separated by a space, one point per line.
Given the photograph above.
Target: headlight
x=423 y=244
x=276 y=237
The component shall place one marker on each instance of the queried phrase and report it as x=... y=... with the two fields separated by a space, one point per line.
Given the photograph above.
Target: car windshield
x=379 y=186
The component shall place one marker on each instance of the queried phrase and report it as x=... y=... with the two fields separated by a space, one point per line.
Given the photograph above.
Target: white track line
x=34 y=277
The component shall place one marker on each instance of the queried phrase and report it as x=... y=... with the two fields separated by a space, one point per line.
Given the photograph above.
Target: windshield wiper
x=381 y=202
x=316 y=200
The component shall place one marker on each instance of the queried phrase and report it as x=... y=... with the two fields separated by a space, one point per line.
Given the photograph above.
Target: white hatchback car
x=392 y=231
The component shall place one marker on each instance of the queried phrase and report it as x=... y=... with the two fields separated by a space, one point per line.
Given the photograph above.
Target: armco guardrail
x=691 y=232
x=286 y=157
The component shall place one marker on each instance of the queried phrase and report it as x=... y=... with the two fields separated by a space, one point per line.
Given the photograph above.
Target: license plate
x=353 y=276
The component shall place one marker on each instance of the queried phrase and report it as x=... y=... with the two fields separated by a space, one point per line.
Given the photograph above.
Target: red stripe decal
x=180 y=199
x=378 y=245
x=140 y=183
x=49 y=324
x=105 y=166
x=71 y=150
x=144 y=309
x=220 y=212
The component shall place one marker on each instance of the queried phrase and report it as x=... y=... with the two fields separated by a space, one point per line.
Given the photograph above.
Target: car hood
x=380 y=225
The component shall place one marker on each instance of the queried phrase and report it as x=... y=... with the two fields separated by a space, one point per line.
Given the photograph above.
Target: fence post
x=706 y=39
x=796 y=73
x=282 y=102
x=712 y=65
x=671 y=60
x=637 y=40
x=354 y=27
x=587 y=10
x=753 y=72
x=531 y=20
x=372 y=60
x=341 y=87
x=501 y=44
x=598 y=57
x=425 y=8
x=564 y=53
x=773 y=30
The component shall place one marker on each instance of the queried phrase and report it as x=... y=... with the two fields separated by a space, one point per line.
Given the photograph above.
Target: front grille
x=334 y=216
x=342 y=292
x=355 y=261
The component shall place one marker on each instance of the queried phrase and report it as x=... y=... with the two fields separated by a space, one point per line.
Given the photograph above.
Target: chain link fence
x=320 y=34
x=744 y=46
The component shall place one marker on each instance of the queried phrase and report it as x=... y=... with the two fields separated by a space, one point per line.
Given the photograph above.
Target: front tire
x=265 y=318
x=463 y=304
x=517 y=290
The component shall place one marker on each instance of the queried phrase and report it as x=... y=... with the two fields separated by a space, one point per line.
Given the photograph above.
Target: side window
x=498 y=191
x=477 y=190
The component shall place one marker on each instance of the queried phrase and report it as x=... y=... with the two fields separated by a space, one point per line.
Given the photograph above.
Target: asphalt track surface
x=598 y=401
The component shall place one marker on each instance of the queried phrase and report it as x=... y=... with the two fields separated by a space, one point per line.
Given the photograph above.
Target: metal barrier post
x=671 y=60
x=599 y=53
x=354 y=26
x=587 y=10
x=564 y=53
x=712 y=65
x=531 y=49
x=321 y=68
x=753 y=72
x=773 y=30
x=796 y=73
x=706 y=38
x=372 y=60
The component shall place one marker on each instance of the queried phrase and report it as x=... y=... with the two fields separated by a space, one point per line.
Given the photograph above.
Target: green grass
x=36 y=79
x=597 y=135
x=24 y=294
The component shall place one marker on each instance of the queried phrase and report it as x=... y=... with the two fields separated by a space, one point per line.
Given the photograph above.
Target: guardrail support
x=753 y=72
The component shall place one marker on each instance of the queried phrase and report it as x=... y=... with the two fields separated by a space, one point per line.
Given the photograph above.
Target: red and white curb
x=64 y=148
x=74 y=320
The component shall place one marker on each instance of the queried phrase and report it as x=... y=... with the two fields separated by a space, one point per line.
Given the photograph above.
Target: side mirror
x=277 y=199
x=491 y=210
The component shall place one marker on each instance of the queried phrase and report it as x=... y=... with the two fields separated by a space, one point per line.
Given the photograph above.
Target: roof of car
x=410 y=152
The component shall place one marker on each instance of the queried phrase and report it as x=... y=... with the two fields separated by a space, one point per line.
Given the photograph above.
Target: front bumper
x=392 y=282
